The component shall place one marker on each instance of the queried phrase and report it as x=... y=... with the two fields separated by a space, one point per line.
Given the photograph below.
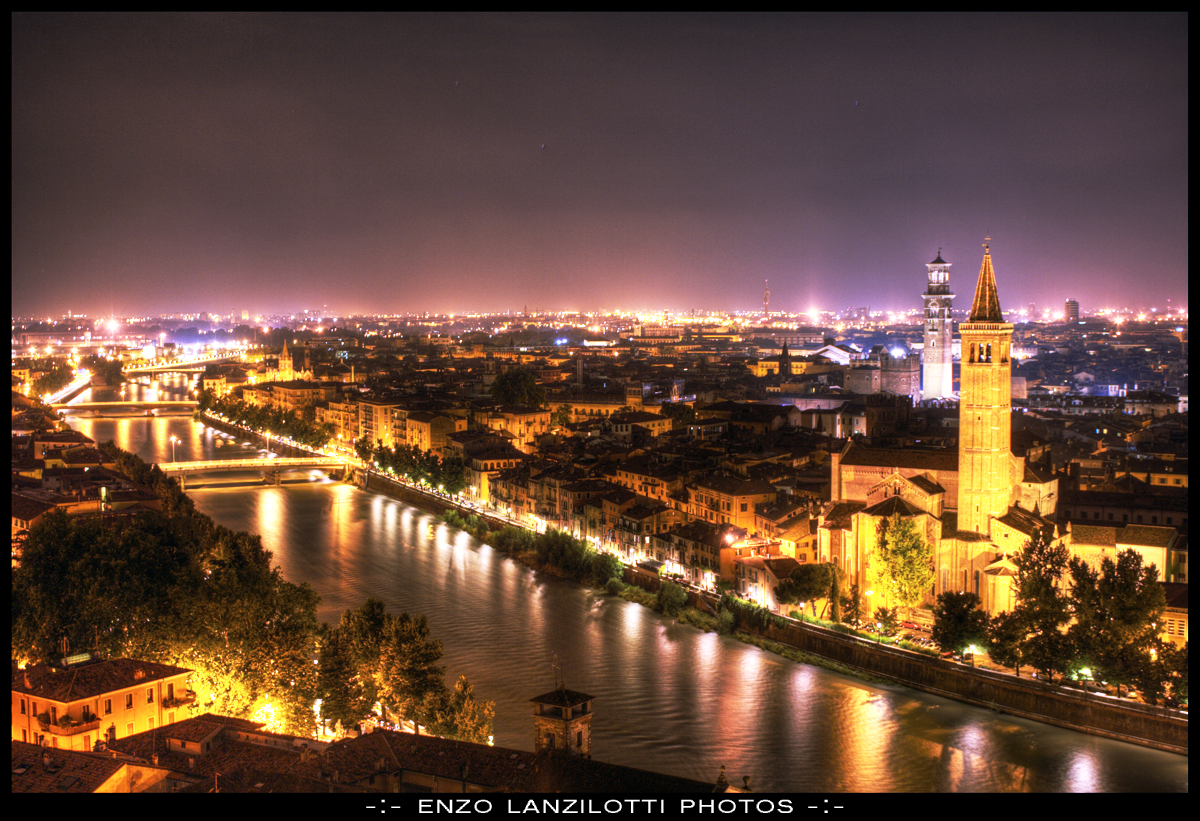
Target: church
x=977 y=505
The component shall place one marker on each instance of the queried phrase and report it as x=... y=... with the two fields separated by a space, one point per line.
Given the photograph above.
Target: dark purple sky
x=461 y=162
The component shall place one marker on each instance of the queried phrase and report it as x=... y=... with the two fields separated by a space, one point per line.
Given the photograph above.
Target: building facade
x=937 y=360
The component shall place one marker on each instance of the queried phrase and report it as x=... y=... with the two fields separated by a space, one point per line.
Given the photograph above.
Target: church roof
x=986 y=305
x=939 y=260
x=893 y=505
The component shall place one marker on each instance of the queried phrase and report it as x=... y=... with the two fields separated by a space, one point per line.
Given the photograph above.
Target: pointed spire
x=986 y=307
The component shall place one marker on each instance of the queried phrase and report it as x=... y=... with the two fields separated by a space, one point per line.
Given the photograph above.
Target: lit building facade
x=937 y=360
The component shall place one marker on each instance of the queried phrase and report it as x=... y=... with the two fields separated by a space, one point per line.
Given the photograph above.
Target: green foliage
x=55 y=379
x=726 y=622
x=460 y=716
x=835 y=596
x=958 y=621
x=746 y=614
x=671 y=598
x=805 y=583
x=362 y=448
x=561 y=416
x=907 y=560
x=1117 y=611
x=1005 y=633
x=408 y=671
x=518 y=387
x=605 y=568
x=1042 y=607
x=614 y=587
x=887 y=619
x=275 y=421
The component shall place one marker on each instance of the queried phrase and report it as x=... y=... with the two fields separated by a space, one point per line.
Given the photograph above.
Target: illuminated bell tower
x=937 y=379
x=985 y=408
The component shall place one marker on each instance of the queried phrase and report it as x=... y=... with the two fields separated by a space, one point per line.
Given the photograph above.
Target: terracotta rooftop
x=89 y=679
x=65 y=772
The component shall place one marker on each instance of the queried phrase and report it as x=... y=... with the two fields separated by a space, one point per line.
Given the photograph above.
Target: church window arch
x=972 y=352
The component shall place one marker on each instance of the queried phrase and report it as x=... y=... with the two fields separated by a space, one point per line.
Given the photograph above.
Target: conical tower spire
x=986 y=307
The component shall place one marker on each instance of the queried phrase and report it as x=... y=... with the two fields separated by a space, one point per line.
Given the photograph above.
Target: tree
x=854 y=605
x=518 y=387
x=1117 y=611
x=958 y=621
x=805 y=583
x=409 y=674
x=907 y=560
x=887 y=619
x=462 y=717
x=1005 y=633
x=1042 y=606
x=835 y=597
x=561 y=417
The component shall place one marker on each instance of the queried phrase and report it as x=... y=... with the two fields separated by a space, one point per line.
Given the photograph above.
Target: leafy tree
x=561 y=416
x=681 y=414
x=1042 y=606
x=462 y=717
x=887 y=619
x=906 y=559
x=605 y=566
x=1117 y=610
x=409 y=674
x=1005 y=633
x=518 y=387
x=338 y=683
x=958 y=621
x=805 y=583
x=854 y=604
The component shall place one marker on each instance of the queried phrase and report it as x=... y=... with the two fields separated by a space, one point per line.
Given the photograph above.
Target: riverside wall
x=1023 y=697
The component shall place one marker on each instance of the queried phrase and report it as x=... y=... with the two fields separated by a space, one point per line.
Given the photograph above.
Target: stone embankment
x=1142 y=724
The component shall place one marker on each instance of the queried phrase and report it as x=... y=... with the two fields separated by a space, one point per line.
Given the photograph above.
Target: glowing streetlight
x=174 y=439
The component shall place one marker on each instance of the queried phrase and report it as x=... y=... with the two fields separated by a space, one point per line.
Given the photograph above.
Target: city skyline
x=467 y=163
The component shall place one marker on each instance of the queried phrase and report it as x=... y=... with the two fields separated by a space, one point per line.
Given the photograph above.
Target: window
x=23 y=707
x=129 y=729
x=150 y=723
x=108 y=706
x=149 y=695
x=129 y=701
x=579 y=739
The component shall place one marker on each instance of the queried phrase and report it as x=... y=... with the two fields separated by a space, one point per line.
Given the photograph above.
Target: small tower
x=767 y=298
x=562 y=720
x=937 y=376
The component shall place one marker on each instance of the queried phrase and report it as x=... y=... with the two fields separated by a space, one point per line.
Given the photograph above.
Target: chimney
x=28 y=686
x=46 y=759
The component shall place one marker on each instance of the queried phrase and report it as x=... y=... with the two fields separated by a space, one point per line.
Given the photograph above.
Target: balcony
x=179 y=701
x=68 y=726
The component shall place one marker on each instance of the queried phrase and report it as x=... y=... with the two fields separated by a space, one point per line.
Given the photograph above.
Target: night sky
x=568 y=162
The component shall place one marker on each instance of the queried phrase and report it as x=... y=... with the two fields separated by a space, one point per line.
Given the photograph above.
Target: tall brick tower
x=937 y=380
x=985 y=408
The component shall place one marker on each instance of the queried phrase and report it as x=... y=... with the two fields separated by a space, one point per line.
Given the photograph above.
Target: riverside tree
x=1117 y=610
x=958 y=621
x=1042 y=610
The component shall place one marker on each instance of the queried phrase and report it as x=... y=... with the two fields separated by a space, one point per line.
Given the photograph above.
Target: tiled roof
x=1145 y=535
x=912 y=458
x=892 y=506
x=66 y=772
x=562 y=697
x=90 y=679
x=1094 y=535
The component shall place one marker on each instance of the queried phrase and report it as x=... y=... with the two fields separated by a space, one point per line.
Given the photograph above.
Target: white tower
x=937 y=380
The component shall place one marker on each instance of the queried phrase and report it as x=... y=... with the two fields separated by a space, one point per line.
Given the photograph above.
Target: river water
x=669 y=697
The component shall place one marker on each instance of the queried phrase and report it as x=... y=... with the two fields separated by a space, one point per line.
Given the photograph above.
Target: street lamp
x=174 y=439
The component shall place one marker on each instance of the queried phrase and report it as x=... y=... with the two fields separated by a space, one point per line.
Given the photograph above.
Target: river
x=669 y=697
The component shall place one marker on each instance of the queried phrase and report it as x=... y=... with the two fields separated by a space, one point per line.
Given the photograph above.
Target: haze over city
x=490 y=162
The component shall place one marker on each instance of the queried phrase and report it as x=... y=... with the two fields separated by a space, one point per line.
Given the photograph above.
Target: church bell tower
x=937 y=380
x=985 y=408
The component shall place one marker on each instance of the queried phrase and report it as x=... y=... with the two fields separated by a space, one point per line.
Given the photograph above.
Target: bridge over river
x=274 y=466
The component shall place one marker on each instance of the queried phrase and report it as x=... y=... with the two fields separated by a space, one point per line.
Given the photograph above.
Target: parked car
x=909 y=625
